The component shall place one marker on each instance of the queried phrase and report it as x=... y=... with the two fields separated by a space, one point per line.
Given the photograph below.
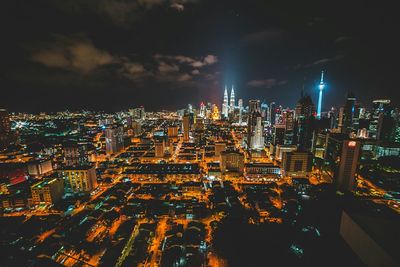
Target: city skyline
x=199 y=133
x=266 y=51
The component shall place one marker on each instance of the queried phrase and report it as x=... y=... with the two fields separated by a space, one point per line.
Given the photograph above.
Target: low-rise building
x=79 y=178
x=257 y=171
x=48 y=191
x=162 y=171
x=40 y=167
x=232 y=161
x=297 y=163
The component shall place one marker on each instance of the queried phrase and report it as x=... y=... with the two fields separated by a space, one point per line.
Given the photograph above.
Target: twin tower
x=228 y=107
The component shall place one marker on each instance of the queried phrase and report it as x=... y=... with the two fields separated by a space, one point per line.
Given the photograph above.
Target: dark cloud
x=164 y=67
x=267 y=83
x=72 y=54
x=193 y=62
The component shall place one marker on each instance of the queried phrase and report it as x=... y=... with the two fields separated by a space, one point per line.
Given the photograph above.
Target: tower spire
x=232 y=101
x=321 y=87
x=225 y=104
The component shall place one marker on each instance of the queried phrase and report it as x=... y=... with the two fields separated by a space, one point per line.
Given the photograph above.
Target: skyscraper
x=255 y=138
x=348 y=163
x=264 y=111
x=379 y=106
x=304 y=120
x=348 y=112
x=271 y=113
x=232 y=101
x=225 y=104
x=138 y=113
x=202 y=110
x=240 y=104
x=387 y=124
x=186 y=127
x=80 y=178
x=114 y=139
x=321 y=87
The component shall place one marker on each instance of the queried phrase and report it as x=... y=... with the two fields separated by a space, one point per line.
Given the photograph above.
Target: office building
x=159 y=148
x=172 y=131
x=378 y=106
x=137 y=128
x=232 y=161
x=271 y=113
x=341 y=157
x=79 y=178
x=186 y=127
x=75 y=154
x=297 y=163
x=348 y=165
x=138 y=113
x=240 y=104
x=255 y=127
x=279 y=134
x=304 y=123
x=219 y=147
x=48 y=191
x=257 y=171
x=114 y=139
x=387 y=126
x=348 y=113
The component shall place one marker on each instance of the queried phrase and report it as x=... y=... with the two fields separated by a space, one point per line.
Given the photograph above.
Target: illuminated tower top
x=321 y=87
x=232 y=100
x=225 y=104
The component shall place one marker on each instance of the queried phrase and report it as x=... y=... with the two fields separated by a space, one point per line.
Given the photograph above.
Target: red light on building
x=352 y=144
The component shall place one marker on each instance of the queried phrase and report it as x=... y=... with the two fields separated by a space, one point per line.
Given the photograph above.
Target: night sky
x=115 y=54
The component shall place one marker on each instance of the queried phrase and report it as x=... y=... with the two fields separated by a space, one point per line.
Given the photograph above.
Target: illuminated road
x=159 y=237
x=129 y=245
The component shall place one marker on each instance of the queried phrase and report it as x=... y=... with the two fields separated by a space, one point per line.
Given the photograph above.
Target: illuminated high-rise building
x=186 y=127
x=202 y=110
x=225 y=104
x=321 y=87
x=387 y=125
x=80 y=178
x=215 y=113
x=379 y=106
x=341 y=159
x=114 y=139
x=348 y=164
x=240 y=104
x=75 y=154
x=255 y=138
x=232 y=101
x=138 y=113
x=348 y=112
x=271 y=113
x=264 y=111
x=304 y=119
